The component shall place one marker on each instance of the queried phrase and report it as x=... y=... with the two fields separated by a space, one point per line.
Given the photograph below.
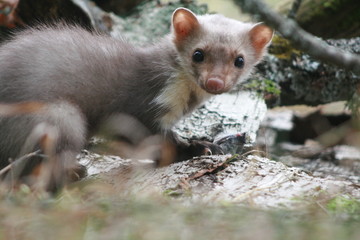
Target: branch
x=294 y=9
x=300 y=38
x=18 y=161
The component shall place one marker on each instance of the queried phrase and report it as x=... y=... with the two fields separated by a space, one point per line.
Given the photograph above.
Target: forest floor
x=95 y=210
x=228 y=197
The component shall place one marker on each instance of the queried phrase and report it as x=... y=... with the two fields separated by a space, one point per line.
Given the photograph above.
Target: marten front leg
x=185 y=150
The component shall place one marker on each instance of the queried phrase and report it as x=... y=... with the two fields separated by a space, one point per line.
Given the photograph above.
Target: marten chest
x=179 y=97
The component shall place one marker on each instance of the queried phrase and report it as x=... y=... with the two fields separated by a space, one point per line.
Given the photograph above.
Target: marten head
x=217 y=51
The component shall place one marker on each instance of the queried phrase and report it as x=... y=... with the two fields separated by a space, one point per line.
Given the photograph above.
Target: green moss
x=262 y=86
x=282 y=48
x=345 y=205
x=173 y=192
x=354 y=104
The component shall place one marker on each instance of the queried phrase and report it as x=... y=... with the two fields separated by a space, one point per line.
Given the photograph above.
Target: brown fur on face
x=221 y=40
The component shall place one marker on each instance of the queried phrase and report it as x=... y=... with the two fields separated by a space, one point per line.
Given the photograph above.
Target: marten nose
x=214 y=85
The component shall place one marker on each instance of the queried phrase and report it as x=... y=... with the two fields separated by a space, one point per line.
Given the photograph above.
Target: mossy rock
x=330 y=18
x=150 y=21
x=282 y=48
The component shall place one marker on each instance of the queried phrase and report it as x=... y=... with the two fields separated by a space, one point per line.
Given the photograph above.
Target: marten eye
x=239 y=62
x=198 y=56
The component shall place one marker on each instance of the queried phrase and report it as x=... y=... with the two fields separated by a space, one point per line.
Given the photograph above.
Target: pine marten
x=82 y=78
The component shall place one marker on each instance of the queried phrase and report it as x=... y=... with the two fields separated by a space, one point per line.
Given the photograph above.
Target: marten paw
x=199 y=148
x=76 y=173
x=196 y=148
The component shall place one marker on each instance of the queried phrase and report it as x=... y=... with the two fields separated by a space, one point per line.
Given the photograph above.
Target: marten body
x=83 y=78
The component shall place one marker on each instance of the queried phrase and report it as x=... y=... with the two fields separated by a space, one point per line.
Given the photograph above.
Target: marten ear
x=260 y=37
x=184 y=23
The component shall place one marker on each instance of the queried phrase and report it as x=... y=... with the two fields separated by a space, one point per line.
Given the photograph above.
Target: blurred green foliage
x=100 y=211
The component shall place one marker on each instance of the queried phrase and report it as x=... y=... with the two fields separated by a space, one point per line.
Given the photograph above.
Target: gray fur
x=85 y=78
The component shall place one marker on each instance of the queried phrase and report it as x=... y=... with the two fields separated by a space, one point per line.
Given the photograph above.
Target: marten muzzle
x=215 y=85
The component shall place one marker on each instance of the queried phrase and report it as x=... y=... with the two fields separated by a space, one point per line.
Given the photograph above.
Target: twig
x=300 y=38
x=294 y=9
x=18 y=161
